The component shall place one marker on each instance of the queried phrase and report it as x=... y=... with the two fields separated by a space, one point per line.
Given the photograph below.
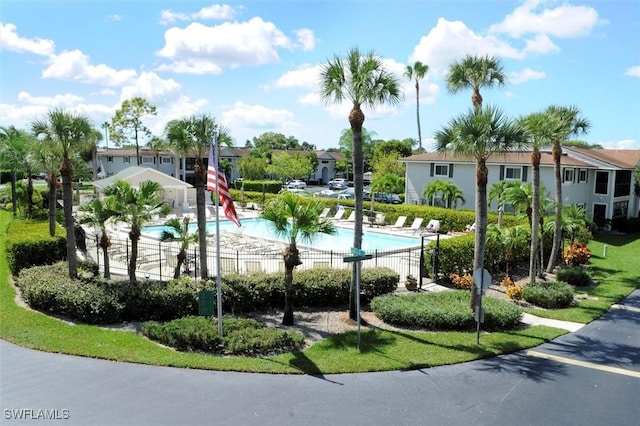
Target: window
x=147 y=160
x=110 y=159
x=442 y=170
x=582 y=175
x=166 y=160
x=513 y=173
x=126 y=159
x=602 y=183
x=622 y=186
x=620 y=209
x=567 y=175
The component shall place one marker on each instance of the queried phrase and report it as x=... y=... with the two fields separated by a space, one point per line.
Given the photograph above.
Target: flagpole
x=217 y=202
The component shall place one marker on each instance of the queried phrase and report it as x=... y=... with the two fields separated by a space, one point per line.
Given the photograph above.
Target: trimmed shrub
x=514 y=292
x=241 y=336
x=549 y=295
x=445 y=310
x=577 y=276
x=28 y=244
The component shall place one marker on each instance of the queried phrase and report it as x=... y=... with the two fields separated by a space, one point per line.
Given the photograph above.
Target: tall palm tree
x=48 y=157
x=194 y=136
x=96 y=213
x=179 y=231
x=294 y=219
x=13 y=150
x=480 y=133
x=541 y=130
x=474 y=72
x=157 y=144
x=136 y=207
x=417 y=73
x=69 y=131
x=572 y=124
x=362 y=80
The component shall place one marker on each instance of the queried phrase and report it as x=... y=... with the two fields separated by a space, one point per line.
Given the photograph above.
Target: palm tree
x=520 y=196
x=473 y=73
x=541 y=129
x=13 y=152
x=479 y=134
x=95 y=213
x=508 y=240
x=432 y=191
x=363 y=81
x=157 y=144
x=571 y=124
x=48 y=158
x=69 y=131
x=294 y=219
x=179 y=231
x=417 y=73
x=136 y=207
x=452 y=194
x=194 y=136
x=497 y=192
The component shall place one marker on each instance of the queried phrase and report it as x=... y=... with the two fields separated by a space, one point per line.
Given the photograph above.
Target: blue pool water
x=342 y=241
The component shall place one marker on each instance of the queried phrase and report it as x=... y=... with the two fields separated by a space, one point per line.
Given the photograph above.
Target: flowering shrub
x=464 y=282
x=514 y=291
x=576 y=254
x=506 y=281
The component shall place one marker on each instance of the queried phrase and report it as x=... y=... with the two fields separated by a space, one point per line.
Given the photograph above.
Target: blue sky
x=254 y=65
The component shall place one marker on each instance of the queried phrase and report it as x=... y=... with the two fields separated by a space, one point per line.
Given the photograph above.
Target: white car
x=296 y=184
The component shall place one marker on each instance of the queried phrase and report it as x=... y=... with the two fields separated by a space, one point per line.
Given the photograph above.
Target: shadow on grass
x=615 y=240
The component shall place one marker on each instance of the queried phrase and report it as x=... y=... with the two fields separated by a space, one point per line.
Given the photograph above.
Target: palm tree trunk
x=137 y=149
x=535 y=215
x=134 y=235
x=53 y=203
x=418 y=115
x=200 y=175
x=557 y=227
x=291 y=260
x=481 y=222
x=14 y=196
x=356 y=119
x=66 y=171
x=104 y=244
x=29 y=197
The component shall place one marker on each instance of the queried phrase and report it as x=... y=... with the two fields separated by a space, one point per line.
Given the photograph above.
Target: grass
x=380 y=350
x=617 y=275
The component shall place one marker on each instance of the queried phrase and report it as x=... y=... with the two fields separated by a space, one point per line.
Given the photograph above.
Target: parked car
x=296 y=184
x=338 y=184
x=326 y=193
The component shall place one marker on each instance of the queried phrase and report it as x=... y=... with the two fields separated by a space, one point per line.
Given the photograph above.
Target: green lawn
x=379 y=351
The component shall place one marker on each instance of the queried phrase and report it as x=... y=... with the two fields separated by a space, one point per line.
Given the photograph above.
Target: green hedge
x=549 y=295
x=445 y=310
x=241 y=336
x=93 y=300
x=28 y=244
x=577 y=276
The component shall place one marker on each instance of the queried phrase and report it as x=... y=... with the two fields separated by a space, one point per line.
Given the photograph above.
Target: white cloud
x=10 y=40
x=306 y=76
x=526 y=75
x=151 y=87
x=64 y=100
x=75 y=65
x=541 y=43
x=633 y=71
x=179 y=107
x=622 y=144
x=231 y=45
x=449 y=41
x=532 y=17
x=112 y=18
x=215 y=11
x=306 y=38
x=258 y=117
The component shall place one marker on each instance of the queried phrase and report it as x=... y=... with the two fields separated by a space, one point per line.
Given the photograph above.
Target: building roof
x=623 y=158
x=516 y=158
x=136 y=174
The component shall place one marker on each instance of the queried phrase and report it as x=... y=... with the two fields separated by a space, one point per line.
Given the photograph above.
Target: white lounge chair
x=324 y=213
x=352 y=217
x=400 y=222
x=338 y=214
x=432 y=226
x=380 y=219
x=415 y=226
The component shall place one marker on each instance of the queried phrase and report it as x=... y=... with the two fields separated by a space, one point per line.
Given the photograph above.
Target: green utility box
x=205 y=303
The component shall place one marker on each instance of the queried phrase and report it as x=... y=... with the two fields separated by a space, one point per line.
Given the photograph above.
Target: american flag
x=225 y=197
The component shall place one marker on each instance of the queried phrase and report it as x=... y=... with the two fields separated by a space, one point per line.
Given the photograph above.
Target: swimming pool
x=342 y=241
